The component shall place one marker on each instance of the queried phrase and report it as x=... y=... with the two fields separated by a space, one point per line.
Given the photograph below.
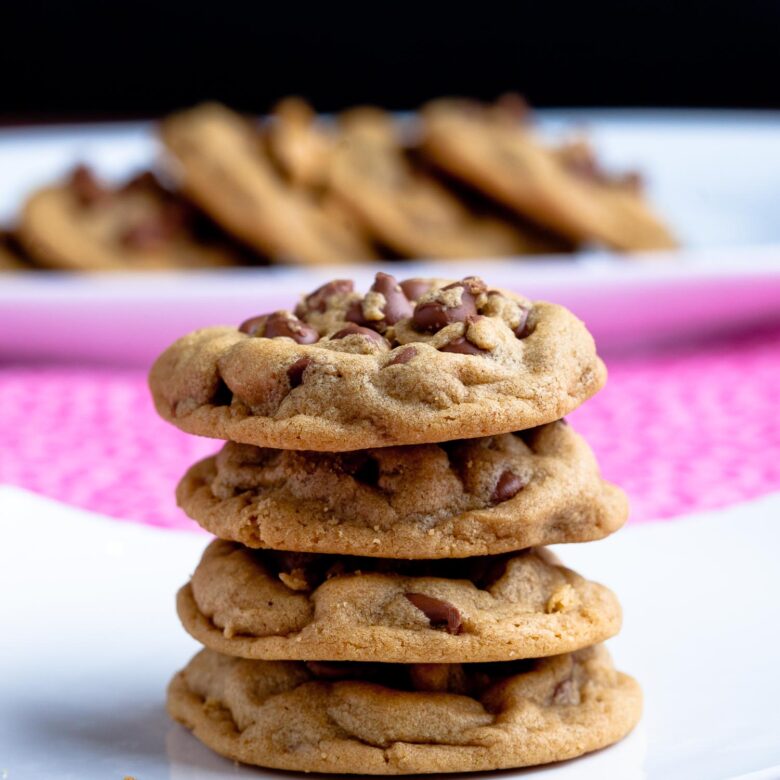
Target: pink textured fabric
x=690 y=429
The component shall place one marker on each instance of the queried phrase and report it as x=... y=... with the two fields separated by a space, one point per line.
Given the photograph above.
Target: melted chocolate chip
x=295 y=371
x=435 y=315
x=280 y=324
x=440 y=613
x=356 y=330
x=87 y=188
x=318 y=300
x=508 y=486
x=462 y=346
x=415 y=288
x=402 y=356
x=397 y=306
x=355 y=313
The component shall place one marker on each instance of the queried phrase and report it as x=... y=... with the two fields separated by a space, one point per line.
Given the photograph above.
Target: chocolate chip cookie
x=223 y=166
x=279 y=605
x=407 y=362
x=403 y=719
x=362 y=163
x=462 y=498
x=563 y=189
x=83 y=224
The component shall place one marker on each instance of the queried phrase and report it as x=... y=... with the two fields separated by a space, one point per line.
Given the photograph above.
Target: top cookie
x=563 y=189
x=413 y=362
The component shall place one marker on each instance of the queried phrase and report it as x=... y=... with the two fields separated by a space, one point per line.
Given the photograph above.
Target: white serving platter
x=714 y=175
x=90 y=639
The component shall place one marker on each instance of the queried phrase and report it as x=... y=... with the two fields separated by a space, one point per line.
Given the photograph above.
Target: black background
x=83 y=60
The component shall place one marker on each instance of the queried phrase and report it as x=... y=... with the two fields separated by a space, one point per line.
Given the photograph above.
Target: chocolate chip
x=87 y=188
x=435 y=315
x=145 y=180
x=415 y=288
x=402 y=356
x=157 y=228
x=508 y=486
x=295 y=371
x=462 y=346
x=355 y=330
x=397 y=306
x=144 y=235
x=522 y=330
x=355 y=313
x=515 y=107
x=280 y=324
x=253 y=325
x=318 y=300
x=566 y=692
x=440 y=613
x=149 y=234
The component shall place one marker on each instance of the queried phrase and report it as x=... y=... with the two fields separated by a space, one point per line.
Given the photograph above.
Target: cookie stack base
x=293 y=716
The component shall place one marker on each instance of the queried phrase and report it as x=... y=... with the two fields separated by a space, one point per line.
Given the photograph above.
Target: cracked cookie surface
x=409 y=362
x=402 y=719
x=463 y=498
x=279 y=605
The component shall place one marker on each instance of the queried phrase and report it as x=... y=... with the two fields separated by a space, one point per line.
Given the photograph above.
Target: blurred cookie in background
x=493 y=149
x=362 y=162
x=222 y=163
x=84 y=224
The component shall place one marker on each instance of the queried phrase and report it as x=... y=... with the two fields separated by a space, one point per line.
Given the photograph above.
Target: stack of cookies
x=379 y=600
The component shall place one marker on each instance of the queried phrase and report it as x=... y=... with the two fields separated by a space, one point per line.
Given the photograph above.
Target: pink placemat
x=693 y=428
